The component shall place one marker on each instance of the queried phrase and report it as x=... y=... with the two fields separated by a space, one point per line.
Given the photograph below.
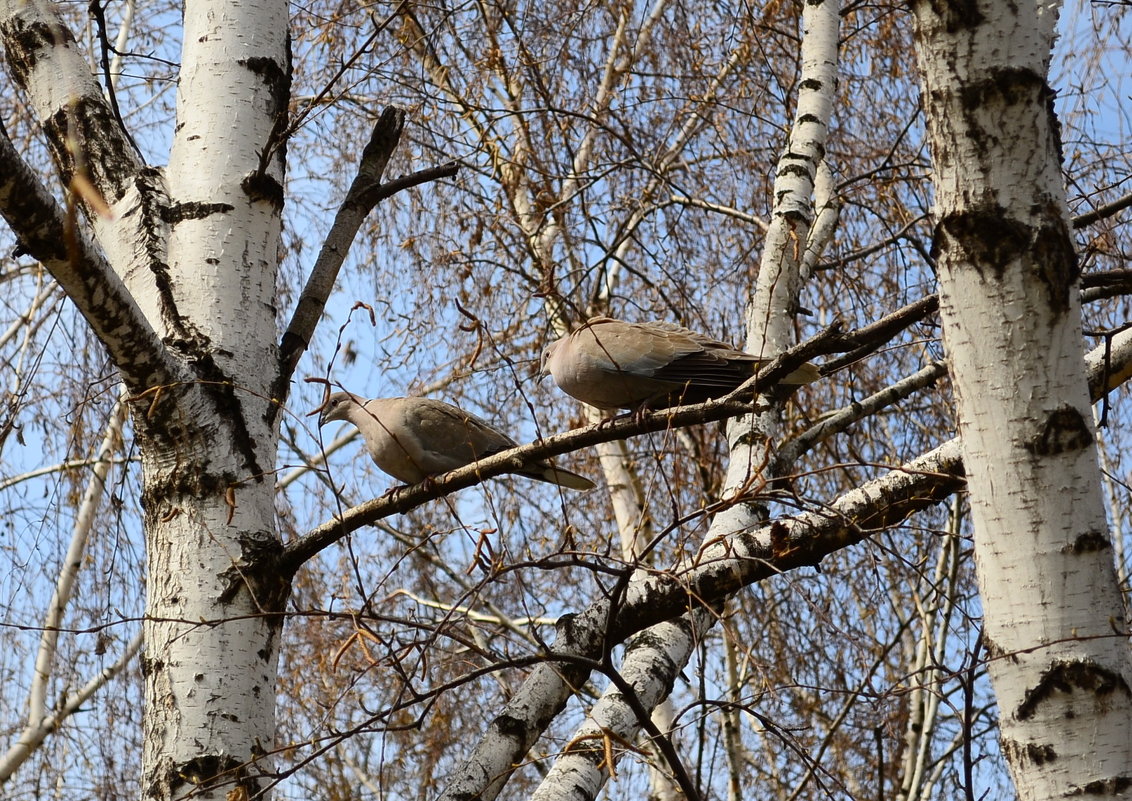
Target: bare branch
x=841 y=419
x=34 y=734
x=1102 y=213
x=64 y=587
x=365 y=192
x=353 y=211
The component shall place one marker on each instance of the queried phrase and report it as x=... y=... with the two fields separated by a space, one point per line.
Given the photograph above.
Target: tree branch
x=45 y=233
x=351 y=214
x=365 y=192
x=83 y=131
x=839 y=420
x=33 y=735
x=1102 y=213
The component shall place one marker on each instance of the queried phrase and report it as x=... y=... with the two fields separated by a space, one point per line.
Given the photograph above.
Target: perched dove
x=412 y=438
x=612 y=364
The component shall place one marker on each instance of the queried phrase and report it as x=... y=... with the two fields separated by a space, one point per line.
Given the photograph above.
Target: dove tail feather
x=556 y=475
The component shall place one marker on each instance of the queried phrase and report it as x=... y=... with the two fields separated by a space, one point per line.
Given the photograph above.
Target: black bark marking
x=1037 y=753
x=167 y=424
x=90 y=123
x=510 y=727
x=275 y=78
x=259 y=573
x=1110 y=787
x=38 y=217
x=210 y=771
x=1012 y=86
x=29 y=40
x=222 y=392
x=955 y=15
x=260 y=186
x=988 y=240
x=1054 y=260
x=203 y=770
x=662 y=669
x=1064 y=430
x=195 y=482
x=1040 y=754
x=982 y=238
x=153 y=204
x=795 y=169
x=194 y=210
x=1066 y=676
x=1089 y=542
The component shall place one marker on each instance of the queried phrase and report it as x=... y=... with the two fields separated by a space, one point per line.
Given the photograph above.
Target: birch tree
x=1011 y=322
x=773 y=594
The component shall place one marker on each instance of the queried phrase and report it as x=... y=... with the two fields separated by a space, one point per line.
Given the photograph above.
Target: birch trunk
x=212 y=629
x=1054 y=618
x=180 y=289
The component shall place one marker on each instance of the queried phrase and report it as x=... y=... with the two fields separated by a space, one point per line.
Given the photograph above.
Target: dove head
x=338 y=407
x=547 y=354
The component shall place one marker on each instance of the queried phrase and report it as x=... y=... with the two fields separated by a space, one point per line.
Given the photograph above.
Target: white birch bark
x=212 y=629
x=1055 y=623
x=183 y=302
x=97 y=163
x=584 y=767
x=114 y=188
x=770 y=315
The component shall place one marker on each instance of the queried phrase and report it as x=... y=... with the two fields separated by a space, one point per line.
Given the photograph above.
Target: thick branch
x=353 y=211
x=1102 y=213
x=82 y=130
x=717 y=573
x=45 y=233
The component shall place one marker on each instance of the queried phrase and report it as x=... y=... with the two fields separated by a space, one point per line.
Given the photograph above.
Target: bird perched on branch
x=413 y=438
x=612 y=364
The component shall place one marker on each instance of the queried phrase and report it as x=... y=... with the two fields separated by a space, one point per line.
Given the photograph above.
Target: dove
x=414 y=438
x=613 y=364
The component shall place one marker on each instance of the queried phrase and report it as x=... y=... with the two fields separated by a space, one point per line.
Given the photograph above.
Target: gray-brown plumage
x=413 y=438
x=612 y=364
